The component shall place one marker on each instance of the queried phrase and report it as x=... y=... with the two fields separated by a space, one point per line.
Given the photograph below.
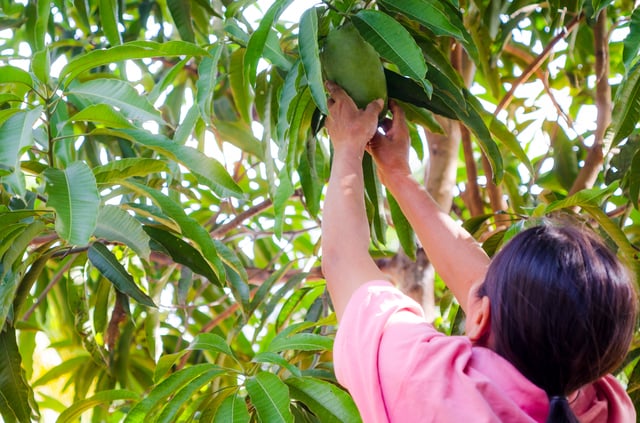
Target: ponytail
x=560 y=412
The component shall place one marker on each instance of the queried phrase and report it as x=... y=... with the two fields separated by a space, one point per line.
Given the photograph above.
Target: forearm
x=346 y=262
x=455 y=255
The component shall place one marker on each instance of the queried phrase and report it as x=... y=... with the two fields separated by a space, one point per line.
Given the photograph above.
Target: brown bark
x=595 y=155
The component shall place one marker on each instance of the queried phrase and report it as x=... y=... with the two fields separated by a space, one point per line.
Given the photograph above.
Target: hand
x=391 y=149
x=348 y=126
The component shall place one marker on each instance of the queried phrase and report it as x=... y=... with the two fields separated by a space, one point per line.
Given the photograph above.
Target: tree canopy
x=162 y=172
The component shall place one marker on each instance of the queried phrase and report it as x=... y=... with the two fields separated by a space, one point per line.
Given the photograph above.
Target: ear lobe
x=480 y=320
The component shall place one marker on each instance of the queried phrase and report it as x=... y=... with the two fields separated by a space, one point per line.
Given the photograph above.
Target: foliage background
x=162 y=166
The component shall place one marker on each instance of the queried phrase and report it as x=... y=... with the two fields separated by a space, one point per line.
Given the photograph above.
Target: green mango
x=351 y=62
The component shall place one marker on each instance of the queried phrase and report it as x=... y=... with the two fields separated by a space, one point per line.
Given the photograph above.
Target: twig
x=537 y=63
x=56 y=278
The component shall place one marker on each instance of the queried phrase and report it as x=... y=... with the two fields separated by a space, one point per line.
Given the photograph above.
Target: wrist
x=395 y=177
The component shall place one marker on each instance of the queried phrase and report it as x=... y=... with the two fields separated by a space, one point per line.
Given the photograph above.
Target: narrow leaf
x=13 y=384
x=232 y=410
x=181 y=13
x=190 y=227
x=406 y=235
x=270 y=397
x=128 y=51
x=102 y=114
x=119 y=170
x=428 y=13
x=74 y=412
x=327 y=401
x=207 y=169
x=586 y=197
x=302 y=342
x=156 y=398
x=310 y=56
x=118 y=94
x=626 y=109
x=631 y=50
x=73 y=194
x=258 y=39
x=206 y=83
x=183 y=253
x=109 y=266
x=115 y=224
x=211 y=342
x=16 y=135
x=13 y=75
x=394 y=43
x=171 y=411
x=109 y=20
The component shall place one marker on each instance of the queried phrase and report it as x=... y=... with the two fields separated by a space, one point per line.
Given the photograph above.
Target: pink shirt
x=398 y=368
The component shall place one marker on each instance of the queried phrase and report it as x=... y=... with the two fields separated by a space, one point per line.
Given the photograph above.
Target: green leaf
x=158 y=395
x=171 y=411
x=102 y=114
x=394 y=43
x=597 y=6
x=632 y=41
x=119 y=170
x=277 y=359
x=327 y=401
x=181 y=13
x=301 y=342
x=258 y=39
x=189 y=227
x=129 y=51
x=208 y=170
x=232 y=410
x=242 y=94
x=15 y=390
x=73 y=413
x=109 y=20
x=586 y=197
x=270 y=396
x=73 y=194
x=13 y=75
x=373 y=197
x=16 y=135
x=406 y=235
x=428 y=13
x=41 y=65
x=183 y=253
x=206 y=83
x=634 y=180
x=626 y=109
x=310 y=56
x=115 y=224
x=239 y=133
x=10 y=274
x=109 y=266
x=68 y=366
x=118 y=94
x=211 y=342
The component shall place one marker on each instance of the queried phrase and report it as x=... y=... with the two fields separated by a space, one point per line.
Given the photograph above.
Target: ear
x=479 y=320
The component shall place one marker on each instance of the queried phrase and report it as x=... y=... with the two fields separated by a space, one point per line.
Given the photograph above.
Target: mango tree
x=162 y=167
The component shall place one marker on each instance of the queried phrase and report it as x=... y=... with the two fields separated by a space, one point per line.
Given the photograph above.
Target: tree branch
x=595 y=156
x=526 y=74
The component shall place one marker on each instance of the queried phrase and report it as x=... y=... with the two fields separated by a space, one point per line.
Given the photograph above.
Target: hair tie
x=558 y=398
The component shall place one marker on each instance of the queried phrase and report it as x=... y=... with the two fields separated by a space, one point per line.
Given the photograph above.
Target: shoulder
x=604 y=400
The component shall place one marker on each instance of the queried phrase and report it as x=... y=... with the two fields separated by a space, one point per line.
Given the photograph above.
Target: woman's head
x=563 y=308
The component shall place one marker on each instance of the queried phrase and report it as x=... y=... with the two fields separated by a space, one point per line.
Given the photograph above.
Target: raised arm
x=346 y=262
x=455 y=255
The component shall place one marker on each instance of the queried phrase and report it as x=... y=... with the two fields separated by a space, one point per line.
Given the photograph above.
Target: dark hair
x=563 y=310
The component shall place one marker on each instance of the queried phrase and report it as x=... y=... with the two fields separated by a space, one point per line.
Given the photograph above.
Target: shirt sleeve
x=370 y=310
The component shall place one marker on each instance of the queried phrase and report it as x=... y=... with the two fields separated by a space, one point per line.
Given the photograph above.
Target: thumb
x=375 y=106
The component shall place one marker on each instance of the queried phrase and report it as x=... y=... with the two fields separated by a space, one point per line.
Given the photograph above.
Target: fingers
x=375 y=106
x=336 y=93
